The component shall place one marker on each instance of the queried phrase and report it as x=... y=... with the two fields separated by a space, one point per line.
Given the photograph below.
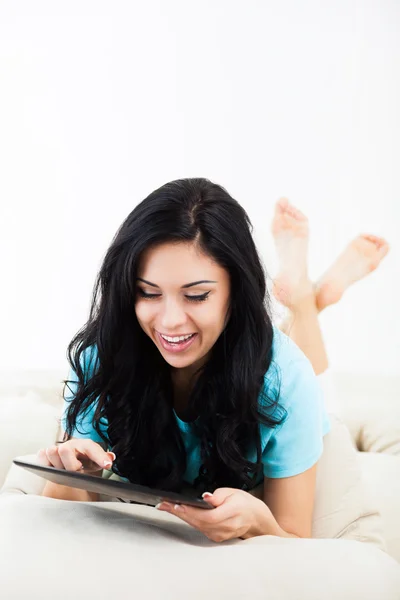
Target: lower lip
x=172 y=347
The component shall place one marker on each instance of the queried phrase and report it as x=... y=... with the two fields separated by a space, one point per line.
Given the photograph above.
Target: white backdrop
x=102 y=102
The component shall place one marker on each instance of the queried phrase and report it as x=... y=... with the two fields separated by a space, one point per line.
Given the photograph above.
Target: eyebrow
x=187 y=285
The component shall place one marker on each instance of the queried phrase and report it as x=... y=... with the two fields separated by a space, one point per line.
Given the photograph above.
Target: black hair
x=131 y=385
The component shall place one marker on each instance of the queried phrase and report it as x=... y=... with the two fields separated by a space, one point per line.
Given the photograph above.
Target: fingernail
x=107 y=463
x=113 y=455
x=206 y=494
x=165 y=506
x=157 y=506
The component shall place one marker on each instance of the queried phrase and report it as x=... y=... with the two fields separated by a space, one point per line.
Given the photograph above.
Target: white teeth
x=176 y=339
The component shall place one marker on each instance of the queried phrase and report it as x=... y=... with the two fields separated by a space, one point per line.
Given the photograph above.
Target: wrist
x=264 y=523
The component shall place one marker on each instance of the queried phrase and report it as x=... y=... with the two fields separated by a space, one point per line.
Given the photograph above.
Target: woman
x=180 y=373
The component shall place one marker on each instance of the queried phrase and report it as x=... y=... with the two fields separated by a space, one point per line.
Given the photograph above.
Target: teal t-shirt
x=288 y=449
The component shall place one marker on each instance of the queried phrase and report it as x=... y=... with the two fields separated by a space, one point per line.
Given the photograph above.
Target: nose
x=173 y=316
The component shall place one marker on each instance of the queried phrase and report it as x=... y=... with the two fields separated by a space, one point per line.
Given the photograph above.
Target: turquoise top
x=288 y=449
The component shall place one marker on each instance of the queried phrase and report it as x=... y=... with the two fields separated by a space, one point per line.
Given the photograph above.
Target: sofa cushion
x=345 y=507
x=382 y=477
x=27 y=423
x=110 y=550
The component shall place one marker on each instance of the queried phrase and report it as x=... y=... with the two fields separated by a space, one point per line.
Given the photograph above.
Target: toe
x=299 y=215
x=282 y=204
x=384 y=249
x=370 y=237
x=379 y=242
x=293 y=212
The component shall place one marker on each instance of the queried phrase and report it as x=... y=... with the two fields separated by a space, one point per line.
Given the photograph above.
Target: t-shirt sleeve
x=297 y=443
x=84 y=424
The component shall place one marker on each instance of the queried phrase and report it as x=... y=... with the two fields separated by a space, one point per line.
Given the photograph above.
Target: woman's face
x=189 y=295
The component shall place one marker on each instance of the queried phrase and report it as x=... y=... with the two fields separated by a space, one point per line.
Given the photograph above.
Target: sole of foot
x=362 y=256
x=290 y=232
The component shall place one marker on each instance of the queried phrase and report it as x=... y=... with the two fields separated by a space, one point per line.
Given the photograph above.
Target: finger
x=197 y=517
x=42 y=458
x=67 y=454
x=96 y=454
x=205 y=519
x=52 y=455
x=212 y=527
x=221 y=496
x=84 y=453
x=181 y=512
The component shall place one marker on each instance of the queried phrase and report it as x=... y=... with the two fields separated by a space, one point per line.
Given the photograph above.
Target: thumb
x=218 y=497
x=111 y=456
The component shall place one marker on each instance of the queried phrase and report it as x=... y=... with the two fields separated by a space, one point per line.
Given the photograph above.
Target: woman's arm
x=64 y=492
x=291 y=501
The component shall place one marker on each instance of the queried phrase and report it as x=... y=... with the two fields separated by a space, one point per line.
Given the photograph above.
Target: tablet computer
x=118 y=489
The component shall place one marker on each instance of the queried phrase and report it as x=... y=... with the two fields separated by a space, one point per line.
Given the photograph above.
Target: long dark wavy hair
x=131 y=385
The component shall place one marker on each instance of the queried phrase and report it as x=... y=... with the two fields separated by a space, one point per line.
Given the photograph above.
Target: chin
x=179 y=360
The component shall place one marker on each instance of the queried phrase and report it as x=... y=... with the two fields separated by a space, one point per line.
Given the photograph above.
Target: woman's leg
x=303 y=299
x=302 y=326
x=294 y=289
x=360 y=257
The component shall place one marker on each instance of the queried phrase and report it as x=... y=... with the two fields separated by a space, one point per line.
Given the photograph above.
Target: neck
x=183 y=381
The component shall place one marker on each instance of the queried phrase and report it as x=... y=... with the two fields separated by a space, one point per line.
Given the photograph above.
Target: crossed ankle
x=306 y=303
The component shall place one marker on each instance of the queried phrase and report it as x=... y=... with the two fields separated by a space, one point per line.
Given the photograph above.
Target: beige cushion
x=27 y=423
x=378 y=440
x=380 y=435
x=382 y=477
x=55 y=548
x=345 y=507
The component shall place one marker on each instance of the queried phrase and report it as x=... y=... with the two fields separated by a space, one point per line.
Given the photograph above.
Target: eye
x=200 y=298
x=144 y=295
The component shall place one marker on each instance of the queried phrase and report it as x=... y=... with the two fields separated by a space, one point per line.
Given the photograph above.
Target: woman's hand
x=237 y=514
x=76 y=455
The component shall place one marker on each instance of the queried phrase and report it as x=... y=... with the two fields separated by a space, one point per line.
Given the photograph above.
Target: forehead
x=180 y=262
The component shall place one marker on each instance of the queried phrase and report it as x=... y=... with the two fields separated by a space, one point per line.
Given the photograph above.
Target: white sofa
x=53 y=548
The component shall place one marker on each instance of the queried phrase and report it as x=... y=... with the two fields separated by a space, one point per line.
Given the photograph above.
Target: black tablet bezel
x=127 y=490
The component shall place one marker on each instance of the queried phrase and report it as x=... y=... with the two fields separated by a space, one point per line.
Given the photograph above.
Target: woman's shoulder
x=290 y=369
x=284 y=350
x=88 y=361
x=89 y=358
x=297 y=442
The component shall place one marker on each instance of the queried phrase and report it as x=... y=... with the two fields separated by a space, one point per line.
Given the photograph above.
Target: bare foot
x=290 y=231
x=360 y=257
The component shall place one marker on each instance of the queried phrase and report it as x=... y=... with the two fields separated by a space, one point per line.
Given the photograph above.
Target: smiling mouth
x=177 y=346
x=174 y=336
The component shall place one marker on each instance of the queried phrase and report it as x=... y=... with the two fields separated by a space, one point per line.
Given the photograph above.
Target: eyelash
x=201 y=298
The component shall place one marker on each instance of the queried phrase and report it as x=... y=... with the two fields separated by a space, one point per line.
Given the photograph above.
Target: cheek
x=144 y=312
x=210 y=322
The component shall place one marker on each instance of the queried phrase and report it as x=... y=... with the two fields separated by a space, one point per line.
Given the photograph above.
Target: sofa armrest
x=21 y=481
